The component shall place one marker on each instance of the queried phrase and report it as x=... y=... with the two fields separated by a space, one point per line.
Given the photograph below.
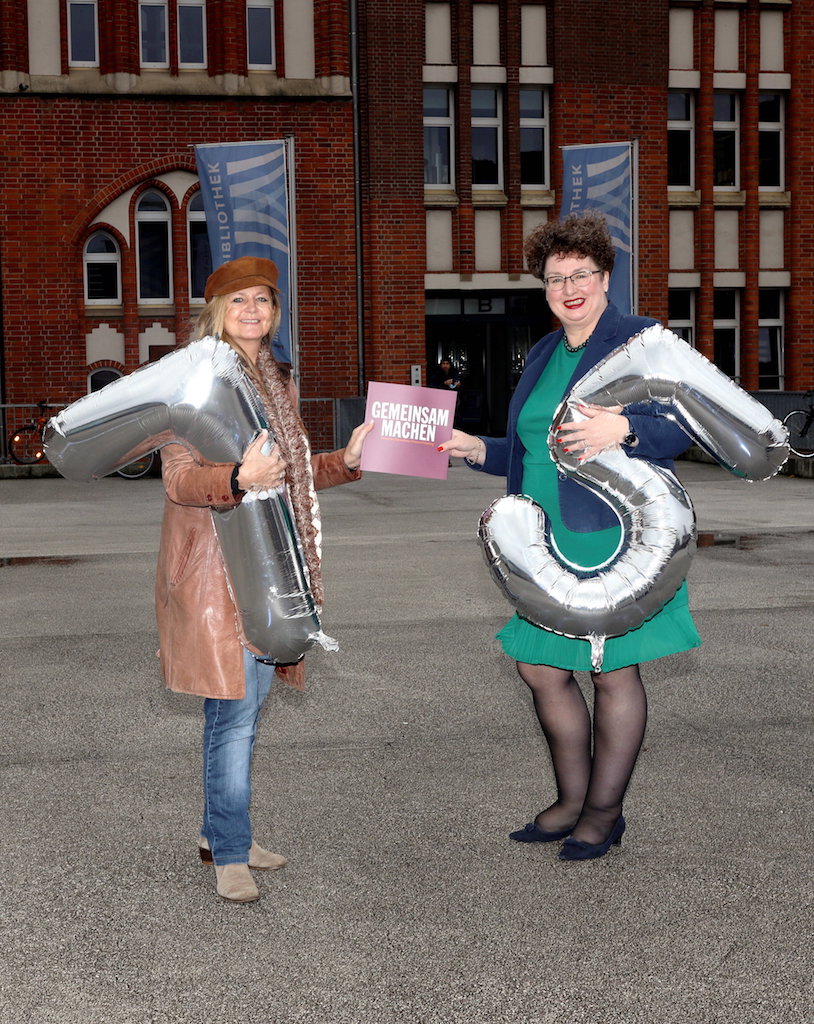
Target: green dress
x=668 y=631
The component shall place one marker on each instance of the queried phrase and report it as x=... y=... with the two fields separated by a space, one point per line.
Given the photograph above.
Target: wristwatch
x=631 y=439
x=237 y=490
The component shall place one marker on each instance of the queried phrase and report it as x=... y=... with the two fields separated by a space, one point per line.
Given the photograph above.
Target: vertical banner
x=244 y=187
x=600 y=177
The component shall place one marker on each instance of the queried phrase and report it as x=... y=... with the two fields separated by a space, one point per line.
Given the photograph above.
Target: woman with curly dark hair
x=592 y=761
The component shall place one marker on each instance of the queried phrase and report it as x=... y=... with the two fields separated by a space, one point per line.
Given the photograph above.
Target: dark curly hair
x=578 y=234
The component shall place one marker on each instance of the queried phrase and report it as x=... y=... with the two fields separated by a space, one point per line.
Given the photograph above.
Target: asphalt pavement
x=392 y=782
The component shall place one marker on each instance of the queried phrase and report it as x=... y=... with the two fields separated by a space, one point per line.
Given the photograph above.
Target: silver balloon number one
x=655 y=512
x=200 y=396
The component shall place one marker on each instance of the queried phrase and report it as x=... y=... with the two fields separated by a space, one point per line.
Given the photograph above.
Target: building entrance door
x=487 y=338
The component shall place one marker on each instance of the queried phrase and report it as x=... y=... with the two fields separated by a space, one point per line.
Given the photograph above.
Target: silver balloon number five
x=200 y=395
x=656 y=514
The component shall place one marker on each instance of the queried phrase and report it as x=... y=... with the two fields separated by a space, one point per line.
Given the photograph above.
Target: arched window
x=153 y=245
x=103 y=284
x=101 y=378
x=198 y=252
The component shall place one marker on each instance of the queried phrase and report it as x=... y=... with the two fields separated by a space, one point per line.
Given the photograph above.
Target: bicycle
x=800 y=424
x=25 y=447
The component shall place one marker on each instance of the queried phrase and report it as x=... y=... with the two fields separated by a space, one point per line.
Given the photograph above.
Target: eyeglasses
x=579 y=278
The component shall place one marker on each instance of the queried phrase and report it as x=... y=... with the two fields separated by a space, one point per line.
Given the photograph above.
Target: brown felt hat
x=241 y=273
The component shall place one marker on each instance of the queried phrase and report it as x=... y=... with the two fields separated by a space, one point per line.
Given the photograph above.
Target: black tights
x=590 y=784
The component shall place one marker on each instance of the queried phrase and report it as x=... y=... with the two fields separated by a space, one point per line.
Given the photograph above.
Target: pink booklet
x=408 y=425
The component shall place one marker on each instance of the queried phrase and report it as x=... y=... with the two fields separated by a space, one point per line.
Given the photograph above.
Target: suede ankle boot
x=235 y=883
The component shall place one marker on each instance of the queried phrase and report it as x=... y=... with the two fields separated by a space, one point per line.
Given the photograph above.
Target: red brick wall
x=67 y=157
x=704 y=162
x=800 y=220
x=391 y=34
x=331 y=26
x=611 y=86
x=14 y=35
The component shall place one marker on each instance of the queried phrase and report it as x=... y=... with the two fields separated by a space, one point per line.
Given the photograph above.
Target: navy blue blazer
x=660 y=439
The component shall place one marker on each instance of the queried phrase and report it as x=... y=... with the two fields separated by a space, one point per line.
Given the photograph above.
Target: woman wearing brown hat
x=202 y=648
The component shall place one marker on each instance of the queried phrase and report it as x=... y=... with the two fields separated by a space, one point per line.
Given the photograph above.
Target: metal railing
x=329 y=421
x=319 y=415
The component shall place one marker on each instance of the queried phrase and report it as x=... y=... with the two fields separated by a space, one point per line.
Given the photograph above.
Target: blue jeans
x=228 y=741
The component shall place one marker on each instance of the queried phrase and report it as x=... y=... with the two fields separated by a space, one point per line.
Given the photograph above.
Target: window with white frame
x=726 y=140
x=726 y=331
x=102 y=266
x=487 y=138
x=770 y=340
x=534 y=137
x=153 y=33
x=438 y=136
x=199 y=255
x=153 y=248
x=681 y=313
x=191 y=33
x=260 y=34
x=771 y=143
x=83 y=33
x=680 y=141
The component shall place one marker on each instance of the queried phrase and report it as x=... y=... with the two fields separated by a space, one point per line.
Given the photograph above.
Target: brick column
x=704 y=168
x=750 y=218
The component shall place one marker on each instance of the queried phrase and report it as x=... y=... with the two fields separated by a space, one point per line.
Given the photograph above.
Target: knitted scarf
x=288 y=431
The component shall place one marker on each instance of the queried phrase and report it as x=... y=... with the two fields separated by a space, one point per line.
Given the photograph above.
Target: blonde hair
x=211 y=319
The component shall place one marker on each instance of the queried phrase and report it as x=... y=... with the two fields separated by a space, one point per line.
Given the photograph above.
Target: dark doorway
x=487 y=338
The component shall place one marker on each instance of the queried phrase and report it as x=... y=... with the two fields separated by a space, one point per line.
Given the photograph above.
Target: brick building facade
x=428 y=141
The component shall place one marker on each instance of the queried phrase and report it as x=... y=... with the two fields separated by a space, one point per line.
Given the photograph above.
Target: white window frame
x=102 y=257
x=543 y=123
x=775 y=323
x=72 y=61
x=448 y=122
x=199 y=5
x=162 y=6
x=730 y=126
x=148 y=216
x=684 y=327
x=496 y=124
x=733 y=324
x=776 y=128
x=687 y=127
x=262 y=5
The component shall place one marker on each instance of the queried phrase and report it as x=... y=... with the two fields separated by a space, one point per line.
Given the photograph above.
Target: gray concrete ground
x=392 y=782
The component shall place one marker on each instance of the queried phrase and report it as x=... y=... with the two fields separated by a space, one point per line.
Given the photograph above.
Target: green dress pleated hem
x=673 y=632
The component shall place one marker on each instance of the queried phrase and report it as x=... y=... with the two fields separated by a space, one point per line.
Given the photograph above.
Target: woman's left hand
x=353 y=449
x=603 y=428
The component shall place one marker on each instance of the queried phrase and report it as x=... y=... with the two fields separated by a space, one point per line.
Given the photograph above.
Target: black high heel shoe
x=531 y=833
x=576 y=849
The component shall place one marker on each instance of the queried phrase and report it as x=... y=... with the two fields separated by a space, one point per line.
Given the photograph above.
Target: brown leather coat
x=201 y=645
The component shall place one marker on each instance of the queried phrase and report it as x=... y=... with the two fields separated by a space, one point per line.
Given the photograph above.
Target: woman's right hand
x=465 y=446
x=259 y=472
